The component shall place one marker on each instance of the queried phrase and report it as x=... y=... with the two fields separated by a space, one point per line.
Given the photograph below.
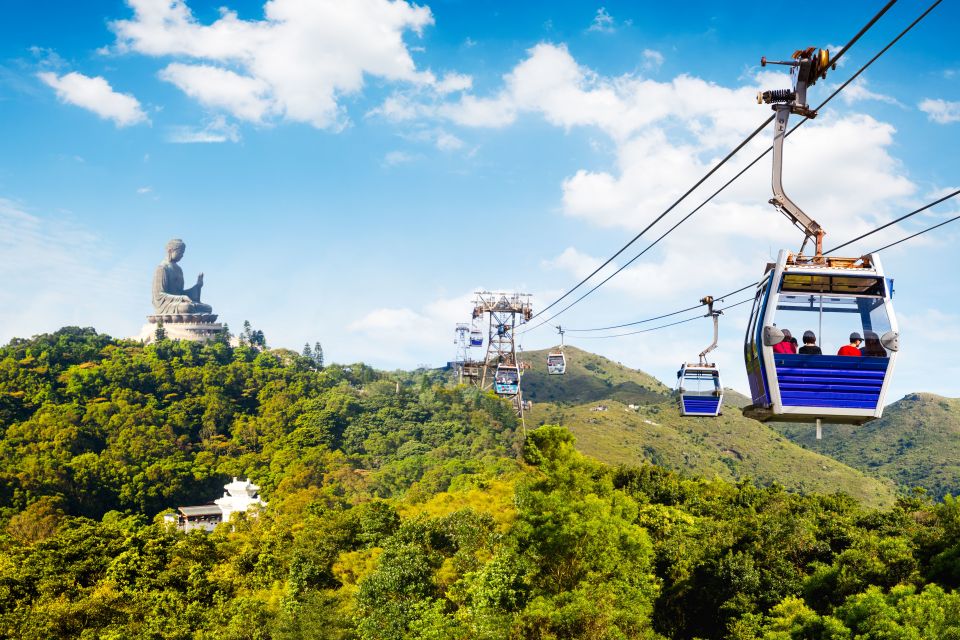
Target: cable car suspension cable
x=840 y=88
x=753 y=284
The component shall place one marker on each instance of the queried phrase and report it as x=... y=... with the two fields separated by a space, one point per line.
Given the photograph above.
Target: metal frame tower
x=502 y=310
x=462 y=341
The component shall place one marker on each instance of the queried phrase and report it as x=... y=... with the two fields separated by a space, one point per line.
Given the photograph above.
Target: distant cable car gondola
x=699 y=390
x=827 y=300
x=506 y=380
x=476 y=338
x=557 y=360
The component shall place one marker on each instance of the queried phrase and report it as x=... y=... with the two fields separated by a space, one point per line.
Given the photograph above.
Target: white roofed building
x=238 y=497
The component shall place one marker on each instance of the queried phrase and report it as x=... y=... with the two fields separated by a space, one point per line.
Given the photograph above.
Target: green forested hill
x=916 y=443
x=407 y=511
x=730 y=446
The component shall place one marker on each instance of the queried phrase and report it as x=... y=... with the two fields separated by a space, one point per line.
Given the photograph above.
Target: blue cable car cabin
x=476 y=338
x=827 y=302
x=556 y=363
x=506 y=380
x=699 y=390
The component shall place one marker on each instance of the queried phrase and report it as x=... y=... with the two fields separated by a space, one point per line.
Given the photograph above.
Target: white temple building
x=238 y=497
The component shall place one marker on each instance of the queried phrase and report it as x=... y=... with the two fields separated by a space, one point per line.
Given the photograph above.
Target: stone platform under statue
x=198 y=328
x=177 y=308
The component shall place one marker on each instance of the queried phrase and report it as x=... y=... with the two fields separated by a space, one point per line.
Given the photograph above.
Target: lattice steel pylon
x=466 y=369
x=505 y=311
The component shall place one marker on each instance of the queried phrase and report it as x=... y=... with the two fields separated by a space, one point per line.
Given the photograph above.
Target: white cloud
x=296 y=63
x=394 y=158
x=652 y=60
x=453 y=82
x=429 y=330
x=857 y=91
x=242 y=96
x=941 y=111
x=448 y=141
x=144 y=190
x=603 y=22
x=217 y=130
x=96 y=95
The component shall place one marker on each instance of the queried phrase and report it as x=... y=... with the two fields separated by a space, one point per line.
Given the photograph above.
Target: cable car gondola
x=476 y=338
x=828 y=303
x=557 y=360
x=506 y=381
x=699 y=390
x=826 y=299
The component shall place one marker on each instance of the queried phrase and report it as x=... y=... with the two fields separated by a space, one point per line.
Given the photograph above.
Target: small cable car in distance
x=698 y=385
x=557 y=360
x=476 y=338
x=831 y=301
x=506 y=380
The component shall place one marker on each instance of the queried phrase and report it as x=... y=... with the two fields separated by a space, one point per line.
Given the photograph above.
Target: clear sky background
x=350 y=172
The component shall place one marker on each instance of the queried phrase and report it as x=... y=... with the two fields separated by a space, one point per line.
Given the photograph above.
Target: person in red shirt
x=789 y=345
x=852 y=349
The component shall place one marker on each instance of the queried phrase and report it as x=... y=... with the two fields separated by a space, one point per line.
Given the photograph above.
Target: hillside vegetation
x=915 y=444
x=589 y=378
x=406 y=511
x=730 y=446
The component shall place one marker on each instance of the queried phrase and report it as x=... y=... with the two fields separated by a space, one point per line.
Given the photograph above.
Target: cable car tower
x=501 y=366
x=827 y=298
x=465 y=368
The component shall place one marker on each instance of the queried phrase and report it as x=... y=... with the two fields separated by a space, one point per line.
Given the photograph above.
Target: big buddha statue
x=171 y=301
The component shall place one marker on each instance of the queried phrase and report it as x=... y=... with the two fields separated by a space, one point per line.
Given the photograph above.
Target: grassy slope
x=731 y=446
x=589 y=378
x=915 y=443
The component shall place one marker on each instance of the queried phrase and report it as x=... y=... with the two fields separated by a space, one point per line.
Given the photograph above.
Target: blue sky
x=350 y=172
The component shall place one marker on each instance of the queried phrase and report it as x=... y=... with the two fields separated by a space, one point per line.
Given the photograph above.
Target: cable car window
x=821 y=283
x=700 y=383
x=833 y=319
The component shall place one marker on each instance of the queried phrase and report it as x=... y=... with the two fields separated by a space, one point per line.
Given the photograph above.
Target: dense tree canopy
x=401 y=507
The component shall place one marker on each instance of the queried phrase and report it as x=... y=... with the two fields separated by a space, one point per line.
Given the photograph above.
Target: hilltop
x=915 y=444
x=589 y=378
x=731 y=446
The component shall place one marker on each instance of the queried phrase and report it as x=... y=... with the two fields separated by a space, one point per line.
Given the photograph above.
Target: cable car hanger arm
x=806 y=67
x=708 y=300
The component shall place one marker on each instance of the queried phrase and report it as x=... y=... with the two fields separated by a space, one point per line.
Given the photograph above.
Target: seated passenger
x=810 y=347
x=872 y=346
x=852 y=349
x=789 y=344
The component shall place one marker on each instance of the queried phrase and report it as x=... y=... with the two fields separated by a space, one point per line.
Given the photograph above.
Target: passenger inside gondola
x=789 y=344
x=872 y=346
x=852 y=349
x=810 y=344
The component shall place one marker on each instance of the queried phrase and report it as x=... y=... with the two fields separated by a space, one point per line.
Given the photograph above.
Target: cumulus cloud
x=96 y=95
x=295 y=63
x=940 y=111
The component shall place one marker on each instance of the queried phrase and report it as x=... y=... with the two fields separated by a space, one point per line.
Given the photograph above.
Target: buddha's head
x=175 y=249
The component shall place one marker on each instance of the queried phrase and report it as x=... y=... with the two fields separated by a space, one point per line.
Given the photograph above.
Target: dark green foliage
x=401 y=508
